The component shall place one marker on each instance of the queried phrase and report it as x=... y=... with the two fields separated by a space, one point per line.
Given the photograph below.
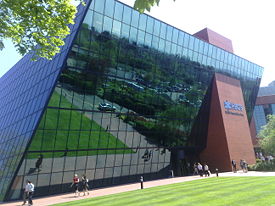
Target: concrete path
x=130 y=187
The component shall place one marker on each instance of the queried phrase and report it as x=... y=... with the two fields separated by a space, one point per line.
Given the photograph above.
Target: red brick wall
x=228 y=135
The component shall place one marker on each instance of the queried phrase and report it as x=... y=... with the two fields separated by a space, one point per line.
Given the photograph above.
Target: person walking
x=25 y=193
x=206 y=170
x=30 y=190
x=242 y=165
x=200 y=169
x=234 y=166
x=196 y=172
x=85 y=185
x=75 y=184
x=245 y=166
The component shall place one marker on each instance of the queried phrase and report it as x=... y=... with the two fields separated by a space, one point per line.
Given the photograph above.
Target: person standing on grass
x=85 y=185
x=75 y=184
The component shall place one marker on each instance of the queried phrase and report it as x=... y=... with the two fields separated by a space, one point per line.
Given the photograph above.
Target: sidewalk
x=43 y=201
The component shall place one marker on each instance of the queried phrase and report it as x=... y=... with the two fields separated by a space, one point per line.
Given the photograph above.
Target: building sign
x=231 y=108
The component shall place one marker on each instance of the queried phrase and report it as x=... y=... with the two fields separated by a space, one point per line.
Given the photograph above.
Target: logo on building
x=232 y=108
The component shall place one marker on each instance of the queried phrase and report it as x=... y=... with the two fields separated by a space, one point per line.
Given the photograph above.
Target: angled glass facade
x=126 y=97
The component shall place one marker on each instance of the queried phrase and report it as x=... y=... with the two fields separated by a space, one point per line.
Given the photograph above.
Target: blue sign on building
x=231 y=106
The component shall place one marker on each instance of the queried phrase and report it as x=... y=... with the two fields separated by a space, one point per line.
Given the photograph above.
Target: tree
x=142 y=5
x=39 y=25
x=267 y=135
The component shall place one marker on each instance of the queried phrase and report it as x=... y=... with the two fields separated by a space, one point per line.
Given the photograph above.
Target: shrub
x=263 y=166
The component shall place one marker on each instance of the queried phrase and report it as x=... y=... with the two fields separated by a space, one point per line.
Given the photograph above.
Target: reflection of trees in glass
x=169 y=128
x=144 y=102
x=166 y=81
x=175 y=124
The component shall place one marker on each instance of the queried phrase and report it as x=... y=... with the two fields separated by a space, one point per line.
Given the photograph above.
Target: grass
x=61 y=129
x=222 y=191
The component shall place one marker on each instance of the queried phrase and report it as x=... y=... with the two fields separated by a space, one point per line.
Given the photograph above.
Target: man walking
x=206 y=170
x=30 y=189
x=200 y=169
x=234 y=165
x=25 y=194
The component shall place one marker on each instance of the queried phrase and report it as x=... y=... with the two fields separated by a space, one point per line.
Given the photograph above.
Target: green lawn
x=61 y=129
x=242 y=191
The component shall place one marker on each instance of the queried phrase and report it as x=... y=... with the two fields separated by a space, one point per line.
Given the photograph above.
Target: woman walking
x=75 y=184
x=85 y=185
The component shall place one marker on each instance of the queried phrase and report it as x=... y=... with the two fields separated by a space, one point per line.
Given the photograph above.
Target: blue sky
x=248 y=23
x=8 y=57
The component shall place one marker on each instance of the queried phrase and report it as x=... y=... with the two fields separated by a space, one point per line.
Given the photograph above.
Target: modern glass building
x=265 y=105
x=124 y=98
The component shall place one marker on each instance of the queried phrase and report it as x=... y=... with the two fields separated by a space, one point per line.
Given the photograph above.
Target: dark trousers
x=201 y=173
x=25 y=197
x=30 y=198
x=206 y=173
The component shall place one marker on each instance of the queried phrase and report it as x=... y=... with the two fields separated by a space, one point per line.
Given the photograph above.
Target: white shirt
x=29 y=187
x=199 y=167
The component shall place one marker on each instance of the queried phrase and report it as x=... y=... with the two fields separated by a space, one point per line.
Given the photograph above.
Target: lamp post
x=141 y=182
x=217 y=172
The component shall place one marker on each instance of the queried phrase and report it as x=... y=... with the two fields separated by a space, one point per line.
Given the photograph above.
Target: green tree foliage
x=267 y=135
x=39 y=25
x=142 y=5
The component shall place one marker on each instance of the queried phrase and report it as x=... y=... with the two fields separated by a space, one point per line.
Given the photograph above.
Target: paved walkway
x=43 y=201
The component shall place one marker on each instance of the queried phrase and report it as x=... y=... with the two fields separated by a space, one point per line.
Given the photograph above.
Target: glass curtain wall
x=126 y=101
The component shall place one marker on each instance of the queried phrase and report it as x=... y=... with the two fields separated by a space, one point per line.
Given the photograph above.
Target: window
x=125 y=30
x=127 y=15
x=135 y=18
x=97 y=23
x=169 y=33
x=150 y=25
x=88 y=19
x=117 y=28
x=156 y=27
x=118 y=11
x=163 y=30
x=109 y=8
x=142 y=22
x=107 y=26
x=175 y=35
x=99 y=6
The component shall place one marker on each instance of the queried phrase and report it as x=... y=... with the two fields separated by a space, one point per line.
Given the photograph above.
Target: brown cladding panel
x=214 y=38
x=216 y=154
x=265 y=100
x=228 y=130
x=253 y=132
